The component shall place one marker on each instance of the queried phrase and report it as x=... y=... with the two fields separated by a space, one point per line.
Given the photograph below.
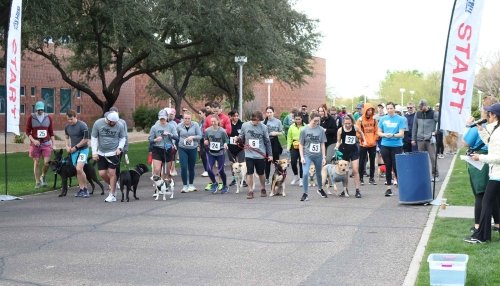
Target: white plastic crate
x=447 y=268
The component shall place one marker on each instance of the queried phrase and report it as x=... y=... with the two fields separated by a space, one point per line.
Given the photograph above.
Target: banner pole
x=441 y=97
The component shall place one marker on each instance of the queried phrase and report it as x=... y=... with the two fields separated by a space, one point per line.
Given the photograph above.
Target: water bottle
x=126 y=159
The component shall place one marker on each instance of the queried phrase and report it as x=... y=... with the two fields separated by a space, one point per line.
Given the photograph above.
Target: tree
x=424 y=86
x=277 y=40
x=109 y=41
x=488 y=78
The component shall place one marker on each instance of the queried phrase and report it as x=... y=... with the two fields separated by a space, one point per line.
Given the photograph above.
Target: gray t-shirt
x=193 y=130
x=125 y=128
x=76 y=132
x=159 y=130
x=255 y=137
x=311 y=139
x=216 y=140
x=274 y=125
x=108 y=137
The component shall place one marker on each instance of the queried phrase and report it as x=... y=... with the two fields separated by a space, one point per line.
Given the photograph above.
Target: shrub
x=19 y=139
x=145 y=117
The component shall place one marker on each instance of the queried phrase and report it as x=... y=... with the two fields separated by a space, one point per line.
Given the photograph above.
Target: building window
x=22 y=108
x=78 y=93
x=3 y=95
x=33 y=91
x=48 y=99
x=22 y=90
x=65 y=100
x=78 y=109
x=33 y=108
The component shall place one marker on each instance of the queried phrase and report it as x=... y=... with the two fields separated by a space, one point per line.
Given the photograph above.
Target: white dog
x=163 y=187
x=240 y=173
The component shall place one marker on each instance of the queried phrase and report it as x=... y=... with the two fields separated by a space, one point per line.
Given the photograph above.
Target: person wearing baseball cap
x=40 y=130
x=491 y=136
x=107 y=141
x=161 y=138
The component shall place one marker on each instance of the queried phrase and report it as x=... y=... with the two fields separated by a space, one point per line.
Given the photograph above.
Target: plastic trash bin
x=414 y=179
x=447 y=268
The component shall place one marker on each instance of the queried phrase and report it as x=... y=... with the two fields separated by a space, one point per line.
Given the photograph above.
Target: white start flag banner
x=13 y=68
x=458 y=76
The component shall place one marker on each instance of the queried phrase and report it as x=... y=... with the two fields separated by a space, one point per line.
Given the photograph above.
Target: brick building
x=41 y=81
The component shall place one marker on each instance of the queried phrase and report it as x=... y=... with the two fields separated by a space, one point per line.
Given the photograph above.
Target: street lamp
x=412 y=92
x=402 y=90
x=241 y=60
x=269 y=83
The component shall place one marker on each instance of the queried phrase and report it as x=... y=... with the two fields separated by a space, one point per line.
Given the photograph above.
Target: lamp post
x=269 y=83
x=412 y=92
x=402 y=90
x=241 y=60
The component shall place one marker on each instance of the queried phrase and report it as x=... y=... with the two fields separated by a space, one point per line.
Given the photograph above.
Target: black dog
x=66 y=170
x=130 y=179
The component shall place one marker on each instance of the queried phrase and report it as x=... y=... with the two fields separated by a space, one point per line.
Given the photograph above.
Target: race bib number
x=349 y=139
x=254 y=143
x=215 y=146
x=232 y=140
x=82 y=158
x=188 y=143
x=41 y=133
x=314 y=148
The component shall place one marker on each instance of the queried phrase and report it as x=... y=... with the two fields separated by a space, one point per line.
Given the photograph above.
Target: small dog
x=336 y=173
x=312 y=176
x=451 y=141
x=279 y=176
x=66 y=170
x=163 y=187
x=130 y=179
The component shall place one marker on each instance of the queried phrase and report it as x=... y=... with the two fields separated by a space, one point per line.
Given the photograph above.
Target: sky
x=363 y=39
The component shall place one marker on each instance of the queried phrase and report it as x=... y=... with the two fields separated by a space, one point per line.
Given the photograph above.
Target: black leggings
x=276 y=156
x=294 y=157
x=478 y=207
x=389 y=156
x=490 y=205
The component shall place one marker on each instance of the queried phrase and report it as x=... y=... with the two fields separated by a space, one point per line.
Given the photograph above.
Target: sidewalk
x=12 y=147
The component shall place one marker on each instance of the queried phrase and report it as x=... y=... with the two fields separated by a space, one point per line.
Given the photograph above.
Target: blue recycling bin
x=414 y=179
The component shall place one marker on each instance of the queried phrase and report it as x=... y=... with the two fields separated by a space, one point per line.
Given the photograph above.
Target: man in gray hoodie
x=423 y=133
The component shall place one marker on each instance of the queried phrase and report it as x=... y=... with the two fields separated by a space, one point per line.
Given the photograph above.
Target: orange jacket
x=369 y=126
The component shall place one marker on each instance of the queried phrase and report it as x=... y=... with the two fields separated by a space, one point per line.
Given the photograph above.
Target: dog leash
x=248 y=147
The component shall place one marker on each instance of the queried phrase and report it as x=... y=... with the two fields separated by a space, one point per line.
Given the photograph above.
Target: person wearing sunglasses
x=410 y=115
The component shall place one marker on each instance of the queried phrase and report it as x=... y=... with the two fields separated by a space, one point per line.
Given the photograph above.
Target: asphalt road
x=203 y=239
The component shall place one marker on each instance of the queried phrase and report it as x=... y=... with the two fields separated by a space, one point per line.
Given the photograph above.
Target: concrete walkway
x=204 y=239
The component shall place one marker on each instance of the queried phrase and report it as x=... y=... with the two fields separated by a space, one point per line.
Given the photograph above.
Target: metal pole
x=241 y=90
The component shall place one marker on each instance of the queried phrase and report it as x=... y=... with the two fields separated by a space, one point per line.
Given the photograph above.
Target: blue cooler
x=414 y=179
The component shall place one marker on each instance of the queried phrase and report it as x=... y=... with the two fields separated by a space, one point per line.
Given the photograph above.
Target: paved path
x=203 y=239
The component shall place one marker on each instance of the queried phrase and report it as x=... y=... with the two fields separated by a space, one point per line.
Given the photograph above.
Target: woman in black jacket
x=328 y=123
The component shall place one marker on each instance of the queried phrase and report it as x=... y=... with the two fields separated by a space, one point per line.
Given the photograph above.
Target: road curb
x=412 y=274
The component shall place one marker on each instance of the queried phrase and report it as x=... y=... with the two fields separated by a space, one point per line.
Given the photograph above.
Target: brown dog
x=335 y=173
x=451 y=141
x=279 y=176
x=312 y=176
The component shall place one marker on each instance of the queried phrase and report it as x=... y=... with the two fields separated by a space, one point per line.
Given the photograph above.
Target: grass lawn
x=20 y=171
x=448 y=234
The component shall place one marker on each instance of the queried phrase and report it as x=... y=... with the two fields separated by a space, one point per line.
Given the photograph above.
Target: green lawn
x=448 y=234
x=20 y=170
